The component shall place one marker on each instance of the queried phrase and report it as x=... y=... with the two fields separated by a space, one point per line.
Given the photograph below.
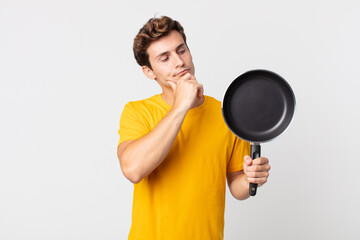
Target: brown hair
x=153 y=30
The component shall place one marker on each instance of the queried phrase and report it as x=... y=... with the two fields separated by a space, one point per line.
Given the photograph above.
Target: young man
x=176 y=148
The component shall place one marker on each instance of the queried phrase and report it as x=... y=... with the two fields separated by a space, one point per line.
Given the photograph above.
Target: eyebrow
x=167 y=52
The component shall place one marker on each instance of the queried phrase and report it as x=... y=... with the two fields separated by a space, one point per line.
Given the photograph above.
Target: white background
x=67 y=70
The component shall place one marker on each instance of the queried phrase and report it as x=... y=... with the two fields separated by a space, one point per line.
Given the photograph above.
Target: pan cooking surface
x=258 y=106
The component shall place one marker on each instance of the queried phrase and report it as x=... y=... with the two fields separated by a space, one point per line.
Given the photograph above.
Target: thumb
x=247 y=161
x=172 y=85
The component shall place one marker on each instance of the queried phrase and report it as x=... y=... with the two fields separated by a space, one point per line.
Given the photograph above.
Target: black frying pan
x=257 y=107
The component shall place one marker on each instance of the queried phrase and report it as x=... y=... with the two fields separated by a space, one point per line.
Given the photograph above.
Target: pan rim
x=265 y=71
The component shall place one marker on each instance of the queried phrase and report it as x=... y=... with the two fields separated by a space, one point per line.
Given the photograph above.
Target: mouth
x=182 y=73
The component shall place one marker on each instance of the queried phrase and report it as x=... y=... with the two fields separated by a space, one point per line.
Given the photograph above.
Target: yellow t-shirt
x=184 y=197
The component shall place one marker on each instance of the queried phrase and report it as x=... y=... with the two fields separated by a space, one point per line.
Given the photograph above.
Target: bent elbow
x=129 y=166
x=131 y=173
x=134 y=178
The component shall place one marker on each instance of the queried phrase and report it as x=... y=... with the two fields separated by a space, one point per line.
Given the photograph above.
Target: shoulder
x=143 y=103
x=212 y=100
x=150 y=110
x=212 y=104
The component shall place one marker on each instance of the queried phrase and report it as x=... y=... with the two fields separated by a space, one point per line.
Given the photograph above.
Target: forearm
x=239 y=187
x=140 y=157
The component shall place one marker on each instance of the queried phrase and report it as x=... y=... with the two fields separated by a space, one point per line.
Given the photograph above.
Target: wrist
x=178 y=109
x=178 y=112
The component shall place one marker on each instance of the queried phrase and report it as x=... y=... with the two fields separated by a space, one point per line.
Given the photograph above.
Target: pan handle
x=255 y=153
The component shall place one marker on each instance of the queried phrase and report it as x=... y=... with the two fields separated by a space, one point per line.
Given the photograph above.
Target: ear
x=148 y=72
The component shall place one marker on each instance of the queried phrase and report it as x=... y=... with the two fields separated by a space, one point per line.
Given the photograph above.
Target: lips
x=182 y=73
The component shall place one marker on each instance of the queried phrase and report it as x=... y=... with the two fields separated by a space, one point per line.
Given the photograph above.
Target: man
x=176 y=148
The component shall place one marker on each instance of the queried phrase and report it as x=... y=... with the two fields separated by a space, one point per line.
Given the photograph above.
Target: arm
x=238 y=185
x=138 y=158
x=255 y=171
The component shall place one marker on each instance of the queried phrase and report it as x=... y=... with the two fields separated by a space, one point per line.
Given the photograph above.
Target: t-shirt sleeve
x=132 y=126
x=240 y=150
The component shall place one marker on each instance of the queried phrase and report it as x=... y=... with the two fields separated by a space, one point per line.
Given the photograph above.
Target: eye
x=164 y=58
x=182 y=51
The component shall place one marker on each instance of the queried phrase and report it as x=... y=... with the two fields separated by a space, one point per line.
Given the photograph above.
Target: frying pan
x=258 y=106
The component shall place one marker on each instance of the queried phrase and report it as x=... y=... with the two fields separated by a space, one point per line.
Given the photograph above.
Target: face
x=170 y=59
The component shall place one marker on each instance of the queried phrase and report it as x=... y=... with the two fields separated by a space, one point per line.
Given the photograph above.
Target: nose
x=178 y=61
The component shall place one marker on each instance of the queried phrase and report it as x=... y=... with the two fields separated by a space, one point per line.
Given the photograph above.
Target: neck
x=168 y=96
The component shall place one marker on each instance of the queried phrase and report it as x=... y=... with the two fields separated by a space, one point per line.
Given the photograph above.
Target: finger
x=260 y=161
x=257 y=174
x=258 y=168
x=200 y=91
x=172 y=85
x=186 y=76
x=189 y=77
x=259 y=181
